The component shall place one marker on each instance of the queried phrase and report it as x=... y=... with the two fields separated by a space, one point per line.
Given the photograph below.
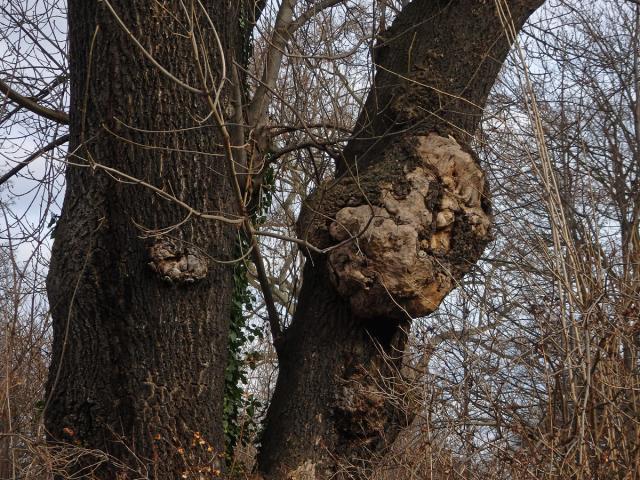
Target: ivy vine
x=237 y=401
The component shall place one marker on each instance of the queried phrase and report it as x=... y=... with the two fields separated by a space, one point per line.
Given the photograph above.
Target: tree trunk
x=140 y=314
x=414 y=202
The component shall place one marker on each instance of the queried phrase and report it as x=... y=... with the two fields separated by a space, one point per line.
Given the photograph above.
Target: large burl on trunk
x=408 y=215
x=404 y=230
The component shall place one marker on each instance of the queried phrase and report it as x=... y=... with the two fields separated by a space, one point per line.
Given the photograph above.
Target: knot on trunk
x=403 y=231
x=176 y=263
x=369 y=411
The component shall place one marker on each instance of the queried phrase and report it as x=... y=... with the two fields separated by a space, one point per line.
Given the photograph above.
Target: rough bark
x=412 y=198
x=436 y=66
x=140 y=320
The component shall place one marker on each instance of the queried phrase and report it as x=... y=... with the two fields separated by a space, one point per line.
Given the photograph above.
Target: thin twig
x=56 y=143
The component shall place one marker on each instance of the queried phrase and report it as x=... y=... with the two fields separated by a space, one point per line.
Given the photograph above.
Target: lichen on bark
x=405 y=230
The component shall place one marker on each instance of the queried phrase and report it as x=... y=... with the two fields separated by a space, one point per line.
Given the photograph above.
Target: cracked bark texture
x=418 y=207
x=140 y=325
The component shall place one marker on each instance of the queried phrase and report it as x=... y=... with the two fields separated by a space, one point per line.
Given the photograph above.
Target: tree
x=360 y=293
x=140 y=310
x=575 y=263
x=167 y=150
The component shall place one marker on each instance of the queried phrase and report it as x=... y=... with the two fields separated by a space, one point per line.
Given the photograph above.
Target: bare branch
x=56 y=143
x=311 y=12
x=284 y=28
x=279 y=40
x=39 y=96
x=29 y=104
